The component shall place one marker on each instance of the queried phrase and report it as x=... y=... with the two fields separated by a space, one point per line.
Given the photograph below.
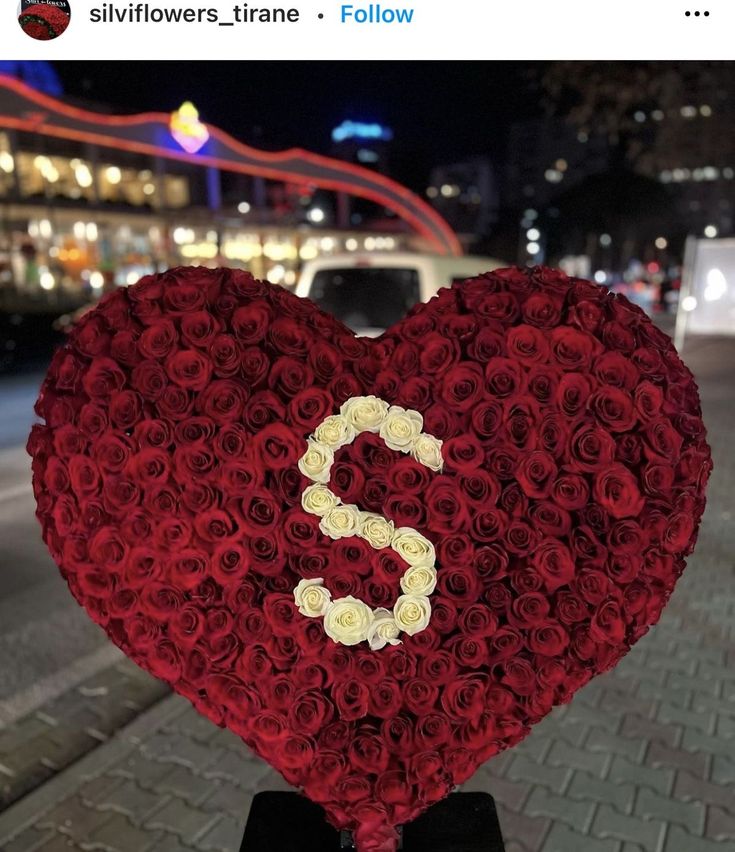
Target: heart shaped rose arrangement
x=379 y=562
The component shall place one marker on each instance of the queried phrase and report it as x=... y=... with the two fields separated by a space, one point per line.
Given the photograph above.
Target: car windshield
x=366 y=297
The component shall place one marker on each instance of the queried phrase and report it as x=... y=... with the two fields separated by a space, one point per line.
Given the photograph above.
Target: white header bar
x=384 y=29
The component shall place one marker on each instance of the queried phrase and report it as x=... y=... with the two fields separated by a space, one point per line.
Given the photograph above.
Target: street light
x=316 y=215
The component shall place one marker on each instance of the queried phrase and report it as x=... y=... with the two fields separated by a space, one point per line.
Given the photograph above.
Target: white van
x=371 y=292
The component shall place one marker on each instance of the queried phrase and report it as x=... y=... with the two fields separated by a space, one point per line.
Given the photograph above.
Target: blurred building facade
x=465 y=193
x=661 y=131
x=90 y=201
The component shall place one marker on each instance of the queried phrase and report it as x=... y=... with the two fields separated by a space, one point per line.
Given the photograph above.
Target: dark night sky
x=439 y=111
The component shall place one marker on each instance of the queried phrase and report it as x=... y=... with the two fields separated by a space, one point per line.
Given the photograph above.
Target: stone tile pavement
x=42 y=743
x=642 y=760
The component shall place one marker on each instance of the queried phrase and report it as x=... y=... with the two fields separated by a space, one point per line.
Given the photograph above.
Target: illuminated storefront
x=91 y=201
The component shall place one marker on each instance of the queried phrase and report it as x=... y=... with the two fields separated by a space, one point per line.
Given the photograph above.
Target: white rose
x=376 y=530
x=365 y=413
x=427 y=450
x=312 y=598
x=334 y=432
x=316 y=463
x=419 y=580
x=318 y=500
x=341 y=522
x=413 y=547
x=348 y=620
x=383 y=630
x=412 y=613
x=401 y=427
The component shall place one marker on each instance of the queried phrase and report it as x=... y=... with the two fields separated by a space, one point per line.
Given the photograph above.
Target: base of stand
x=287 y=822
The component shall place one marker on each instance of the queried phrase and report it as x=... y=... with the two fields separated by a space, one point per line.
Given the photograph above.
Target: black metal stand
x=287 y=822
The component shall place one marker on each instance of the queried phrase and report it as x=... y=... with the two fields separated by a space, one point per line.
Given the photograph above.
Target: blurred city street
x=642 y=760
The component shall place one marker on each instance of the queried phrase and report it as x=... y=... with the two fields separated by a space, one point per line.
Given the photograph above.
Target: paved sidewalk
x=642 y=760
x=52 y=737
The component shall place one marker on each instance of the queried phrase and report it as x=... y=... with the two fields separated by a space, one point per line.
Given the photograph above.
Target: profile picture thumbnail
x=44 y=20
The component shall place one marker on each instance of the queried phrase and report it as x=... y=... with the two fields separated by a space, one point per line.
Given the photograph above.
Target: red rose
x=504 y=378
x=84 y=476
x=188 y=568
x=420 y=696
x=441 y=422
x=294 y=751
x=614 y=408
x=528 y=345
x=288 y=376
x=542 y=310
x=554 y=563
x=613 y=368
x=158 y=340
x=607 y=623
x=175 y=403
x=616 y=491
x=529 y=610
x=461 y=387
x=368 y=754
x=164 y=661
x=519 y=675
x=250 y=322
x=153 y=433
x=446 y=509
x=662 y=443
x=229 y=563
x=464 y=699
x=278 y=446
x=573 y=349
x=186 y=626
x=432 y=730
x=459 y=583
x=487 y=418
x=102 y=378
x=438 y=354
x=385 y=699
x=677 y=536
x=225 y=355
x=111 y=452
x=573 y=393
x=548 y=638
x=254 y=364
x=352 y=699
x=591 y=449
x=222 y=399
x=309 y=712
x=491 y=562
x=93 y=420
x=569 y=608
x=592 y=586
x=408 y=476
x=543 y=382
x=536 y=474
x=570 y=491
x=189 y=369
x=463 y=454
x=308 y=408
x=405 y=510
